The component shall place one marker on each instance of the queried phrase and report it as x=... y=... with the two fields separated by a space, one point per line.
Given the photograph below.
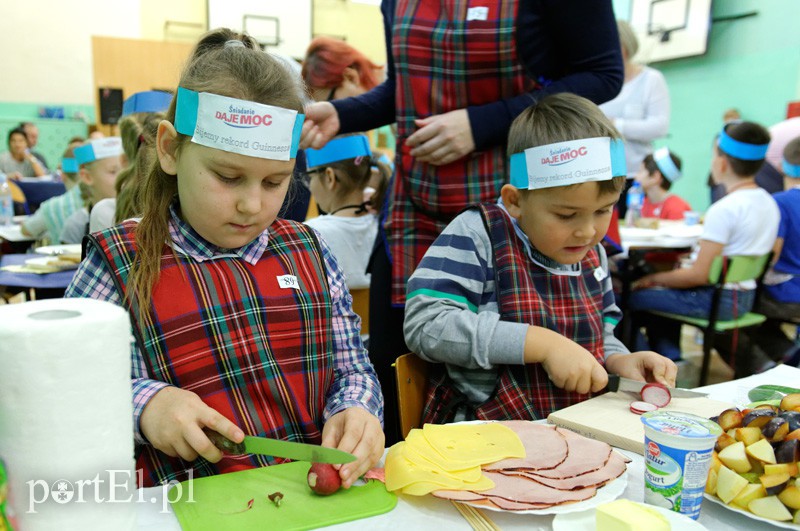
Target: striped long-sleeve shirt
x=355 y=383
x=452 y=313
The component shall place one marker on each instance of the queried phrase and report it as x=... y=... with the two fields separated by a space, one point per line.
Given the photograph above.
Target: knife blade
x=278 y=448
x=618 y=383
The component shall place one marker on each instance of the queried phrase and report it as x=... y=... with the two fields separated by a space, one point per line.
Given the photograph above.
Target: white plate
x=70 y=248
x=785 y=525
x=584 y=521
x=44 y=261
x=636 y=233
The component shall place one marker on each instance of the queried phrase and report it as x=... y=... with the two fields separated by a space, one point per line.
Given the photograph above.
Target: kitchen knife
x=277 y=448
x=618 y=383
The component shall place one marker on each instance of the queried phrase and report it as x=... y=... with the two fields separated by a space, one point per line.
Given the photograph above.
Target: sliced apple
x=761 y=450
x=715 y=462
x=729 y=484
x=734 y=457
x=730 y=418
x=790 y=402
x=775 y=483
x=748 y=435
x=770 y=508
x=793 y=435
x=781 y=468
x=790 y=496
x=748 y=494
x=711 y=482
x=796 y=517
x=723 y=441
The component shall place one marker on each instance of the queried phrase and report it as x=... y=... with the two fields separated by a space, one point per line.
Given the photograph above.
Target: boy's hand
x=173 y=422
x=321 y=124
x=644 y=366
x=357 y=431
x=568 y=365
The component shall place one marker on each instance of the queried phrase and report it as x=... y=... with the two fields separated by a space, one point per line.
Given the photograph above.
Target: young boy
x=656 y=175
x=744 y=222
x=515 y=298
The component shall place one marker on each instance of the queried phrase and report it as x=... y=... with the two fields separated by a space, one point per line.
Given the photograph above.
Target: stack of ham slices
x=560 y=467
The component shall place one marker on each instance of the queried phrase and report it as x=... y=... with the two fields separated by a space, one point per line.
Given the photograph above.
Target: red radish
x=656 y=394
x=640 y=408
x=323 y=478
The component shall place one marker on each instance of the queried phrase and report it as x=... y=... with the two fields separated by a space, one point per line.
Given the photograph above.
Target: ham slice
x=517 y=489
x=584 y=455
x=545 y=448
x=613 y=469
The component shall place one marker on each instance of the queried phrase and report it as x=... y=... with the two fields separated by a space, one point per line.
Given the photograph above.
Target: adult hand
x=14 y=176
x=173 y=422
x=568 y=365
x=357 y=431
x=321 y=124
x=644 y=366
x=442 y=138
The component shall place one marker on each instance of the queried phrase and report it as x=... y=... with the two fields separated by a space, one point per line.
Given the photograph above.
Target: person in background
x=338 y=175
x=99 y=161
x=641 y=111
x=32 y=134
x=332 y=69
x=515 y=297
x=209 y=249
x=452 y=120
x=744 y=222
x=656 y=175
x=780 y=297
x=18 y=161
x=48 y=220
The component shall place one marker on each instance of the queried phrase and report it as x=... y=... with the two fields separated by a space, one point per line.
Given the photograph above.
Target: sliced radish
x=640 y=408
x=656 y=394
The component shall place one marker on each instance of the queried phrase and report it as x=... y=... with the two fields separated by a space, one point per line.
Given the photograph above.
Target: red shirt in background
x=672 y=207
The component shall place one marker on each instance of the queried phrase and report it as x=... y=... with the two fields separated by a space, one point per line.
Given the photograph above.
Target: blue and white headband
x=342 y=148
x=238 y=126
x=148 y=101
x=102 y=148
x=69 y=165
x=566 y=163
x=666 y=165
x=741 y=150
x=791 y=170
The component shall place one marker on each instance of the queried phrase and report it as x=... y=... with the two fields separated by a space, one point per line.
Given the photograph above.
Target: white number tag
x=288 y=282
x=477 y=13
x=600 y=274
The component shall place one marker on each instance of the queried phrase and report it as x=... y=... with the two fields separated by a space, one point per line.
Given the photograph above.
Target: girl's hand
x=173 y=422
x=442 y=138
x=321 y=124
x=644 y=366
x=568 y=365
x=357 y=431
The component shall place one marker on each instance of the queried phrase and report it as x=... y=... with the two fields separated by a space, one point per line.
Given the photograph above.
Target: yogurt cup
x=677 y=455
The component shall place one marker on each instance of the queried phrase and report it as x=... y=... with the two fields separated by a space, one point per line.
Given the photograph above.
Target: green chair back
x=740 y=268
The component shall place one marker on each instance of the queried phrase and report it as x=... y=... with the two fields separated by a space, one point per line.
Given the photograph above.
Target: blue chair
x=37 y=192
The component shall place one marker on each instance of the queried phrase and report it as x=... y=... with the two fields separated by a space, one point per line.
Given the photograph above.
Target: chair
x=724 y=270
x=37 y=192
x=412 y=374
x=361 y=307
x=18 y=196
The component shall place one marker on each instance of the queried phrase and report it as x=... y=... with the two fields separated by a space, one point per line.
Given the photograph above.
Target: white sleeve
x=655 y=123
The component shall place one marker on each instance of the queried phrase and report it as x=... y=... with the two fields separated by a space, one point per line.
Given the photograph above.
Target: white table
x=668 y=235
x=413 y=513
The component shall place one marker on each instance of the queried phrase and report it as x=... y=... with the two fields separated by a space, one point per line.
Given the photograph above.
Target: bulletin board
x=282 y=26
x=670 y=29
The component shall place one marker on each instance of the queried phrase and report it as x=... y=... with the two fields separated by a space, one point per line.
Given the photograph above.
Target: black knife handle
x=613 y=383
x=223 y=443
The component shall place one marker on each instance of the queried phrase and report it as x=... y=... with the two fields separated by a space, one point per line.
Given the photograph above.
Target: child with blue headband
x=657 y=173
x=338 y=175
x=242 y=320
x=515 y=298
x=743 y=222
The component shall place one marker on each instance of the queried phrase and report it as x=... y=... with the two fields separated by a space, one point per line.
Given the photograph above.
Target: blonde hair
x=242 y=72
x=560 y=118
x=142 y=150
x=627 y=38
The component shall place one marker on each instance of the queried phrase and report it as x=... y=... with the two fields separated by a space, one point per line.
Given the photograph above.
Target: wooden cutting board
x=608 y=418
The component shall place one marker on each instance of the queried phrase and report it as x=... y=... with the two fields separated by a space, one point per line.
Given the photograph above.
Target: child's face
x=645 y=178
x=101 y=175
x=564 y=223
x=229 y=199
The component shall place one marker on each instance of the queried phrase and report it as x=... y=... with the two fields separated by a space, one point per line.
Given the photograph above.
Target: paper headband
x=102 y=148
x=342 y=148
x=666 y=165
x=69 y=165
x=149 y=101
x=238 y=126
x=791 y=170
x=741 y=150
x=566 y=163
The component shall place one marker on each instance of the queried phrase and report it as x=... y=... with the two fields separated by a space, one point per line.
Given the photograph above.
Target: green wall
x=752 y=64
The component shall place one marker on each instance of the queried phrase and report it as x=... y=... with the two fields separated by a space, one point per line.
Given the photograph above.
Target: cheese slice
x=465 y=445
x=421 y=477
x=625 y=515
x=418 y=449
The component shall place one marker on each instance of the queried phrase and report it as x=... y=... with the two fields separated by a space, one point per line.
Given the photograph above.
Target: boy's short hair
x=560 y=118
x=791 y=153
x=651 y=167
x=749 y=133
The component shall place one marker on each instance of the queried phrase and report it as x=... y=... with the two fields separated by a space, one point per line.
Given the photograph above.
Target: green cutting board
x=219 y=502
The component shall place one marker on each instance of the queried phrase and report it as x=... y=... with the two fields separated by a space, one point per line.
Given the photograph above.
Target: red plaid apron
x=445 y=62
x=260 y=355
x=528 y=293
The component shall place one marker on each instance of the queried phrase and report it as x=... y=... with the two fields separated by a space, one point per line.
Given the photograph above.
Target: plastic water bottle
x=635 y=200
x=6 y=202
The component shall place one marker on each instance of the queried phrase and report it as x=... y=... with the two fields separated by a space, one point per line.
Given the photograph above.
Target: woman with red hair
x=333 y=69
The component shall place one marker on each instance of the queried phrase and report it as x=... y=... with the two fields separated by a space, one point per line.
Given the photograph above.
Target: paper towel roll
x=66 y=433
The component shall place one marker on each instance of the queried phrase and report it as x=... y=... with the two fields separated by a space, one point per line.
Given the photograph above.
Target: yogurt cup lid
x=681 y=424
